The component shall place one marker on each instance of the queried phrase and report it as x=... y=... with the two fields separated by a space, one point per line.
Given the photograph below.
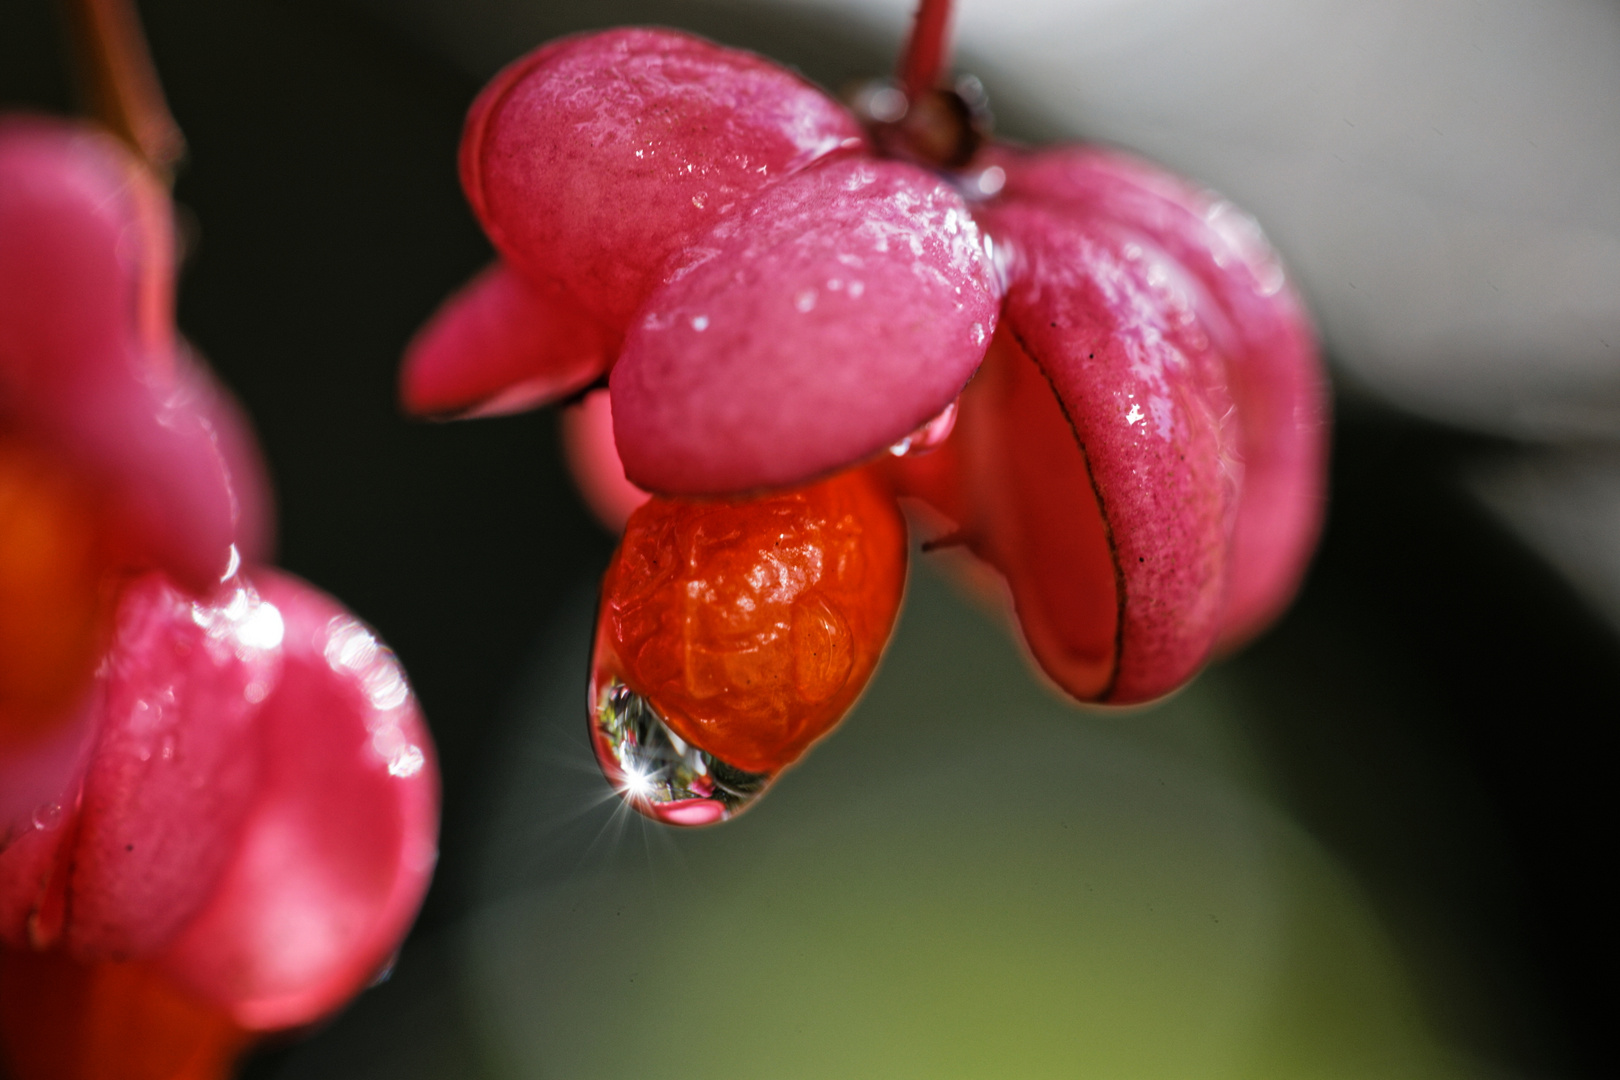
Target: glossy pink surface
x=594 y=160
x=151 y=824
x=340 y=842
x=35 y=777
x=89 y=362
x=1237 y=286
x=260 y=811
x=593 y=459
x=826 y=320
x=175 y=768
x=499 y=345
x=1100 y=315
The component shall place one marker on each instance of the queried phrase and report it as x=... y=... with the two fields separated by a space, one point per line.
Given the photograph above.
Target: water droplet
x=385 y=972
x=233 y=566
x=885 y=104
x=261 y=628
x=47 y=816
x=167 y=752
x=656 y=771
x=408 y=761
x=805 y=301
x=929 y=436
x=991 y=181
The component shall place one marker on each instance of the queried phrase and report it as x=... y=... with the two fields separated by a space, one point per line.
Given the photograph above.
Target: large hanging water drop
x=656 y=771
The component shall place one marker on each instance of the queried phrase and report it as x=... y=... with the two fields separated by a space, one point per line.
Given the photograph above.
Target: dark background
x=1439 y=704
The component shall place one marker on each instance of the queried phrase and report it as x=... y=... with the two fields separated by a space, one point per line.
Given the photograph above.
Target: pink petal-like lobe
x=587 y=433
x=593 y=160
x=828 y=319
x=172 y=774
x=1144 y=394
x=90 y=365
x=1036 y=518
x=340 y=842
x=176 y=765
x=499 y=345
x=1239 y=291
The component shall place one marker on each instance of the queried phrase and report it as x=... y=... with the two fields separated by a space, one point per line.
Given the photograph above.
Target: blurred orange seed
x=54 y=606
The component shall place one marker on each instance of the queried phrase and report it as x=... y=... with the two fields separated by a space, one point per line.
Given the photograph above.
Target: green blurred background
x=1369 y=846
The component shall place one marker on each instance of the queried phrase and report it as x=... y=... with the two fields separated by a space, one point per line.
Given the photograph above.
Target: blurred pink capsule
x=92 y=368
x=116 y=447
x=340 y=839
x=259 y=815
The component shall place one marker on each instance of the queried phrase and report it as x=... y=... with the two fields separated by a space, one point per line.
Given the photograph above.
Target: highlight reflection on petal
x=341 y=839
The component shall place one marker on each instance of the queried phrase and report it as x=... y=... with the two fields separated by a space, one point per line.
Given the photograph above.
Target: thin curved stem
x=928 y=49
x=120 y=81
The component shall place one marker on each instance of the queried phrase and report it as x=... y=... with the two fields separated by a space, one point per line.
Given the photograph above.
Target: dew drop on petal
x=805 y=300
x=385 y=972
x=408 y=761
x=929 y=436
x=47 y=816
x=654 y=770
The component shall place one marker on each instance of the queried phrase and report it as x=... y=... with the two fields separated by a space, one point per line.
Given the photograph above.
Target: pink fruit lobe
x=825 y=321
x=593 y=160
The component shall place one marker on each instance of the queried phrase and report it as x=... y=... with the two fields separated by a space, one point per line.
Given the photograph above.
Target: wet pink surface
x=39 y=775
x=176 y=766
x=150 y=825
x=499 y=345
x=260 y=812
x=593 y=160
x=340 y=842
x=1239 y=290
x=1145 y=395
x=829 y=318
x=91 y=367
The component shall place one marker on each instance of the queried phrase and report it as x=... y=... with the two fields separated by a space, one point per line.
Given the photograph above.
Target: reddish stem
x=121 y=82
x=925 y=54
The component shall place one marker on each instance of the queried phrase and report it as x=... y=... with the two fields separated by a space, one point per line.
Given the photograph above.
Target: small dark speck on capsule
x=129 y=847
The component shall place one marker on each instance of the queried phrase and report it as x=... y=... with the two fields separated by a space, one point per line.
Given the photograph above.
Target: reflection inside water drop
x=929 y=436
x=657 y=772
x=47 y=816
